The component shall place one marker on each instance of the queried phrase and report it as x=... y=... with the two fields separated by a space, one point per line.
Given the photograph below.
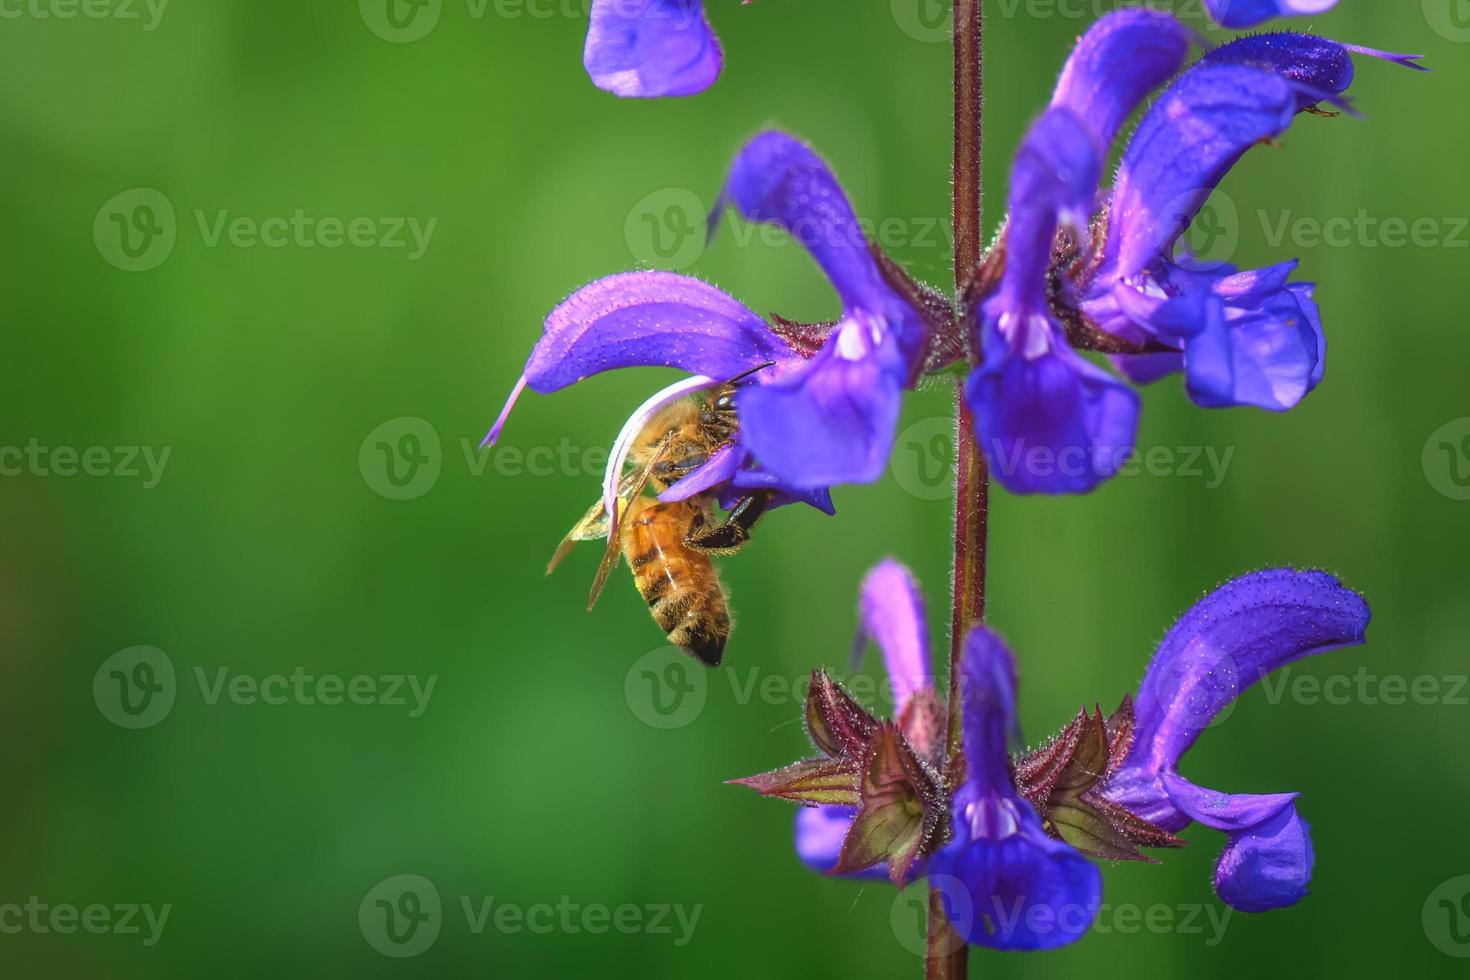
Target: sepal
x=810 y=782
x=1063 y=780
x=902 y=815
x=835 y=721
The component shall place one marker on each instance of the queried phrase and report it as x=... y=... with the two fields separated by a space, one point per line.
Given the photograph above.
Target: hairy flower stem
x=947 y=956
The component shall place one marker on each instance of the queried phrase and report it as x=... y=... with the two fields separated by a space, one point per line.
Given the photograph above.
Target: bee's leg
x=730 y=534
x=671 y=471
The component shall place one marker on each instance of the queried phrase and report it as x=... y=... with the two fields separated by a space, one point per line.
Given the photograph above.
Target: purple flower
x=1249 y=13
x=892 y=614
x=1241 y=338
x=651 y=48
x=1053 y=422
x=1032 y=392
x=832 y=420
x=1015 y=870
x=1006 y=882
x=1230 y=640
x=818 y=404
x=666 y=320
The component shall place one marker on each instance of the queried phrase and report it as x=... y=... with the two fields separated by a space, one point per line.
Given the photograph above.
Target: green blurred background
x=540 y=773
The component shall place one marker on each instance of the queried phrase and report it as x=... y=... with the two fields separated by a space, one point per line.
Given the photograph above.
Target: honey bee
x=668 y=545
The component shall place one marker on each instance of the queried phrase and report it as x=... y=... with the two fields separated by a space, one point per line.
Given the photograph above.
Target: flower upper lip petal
x=651 y=48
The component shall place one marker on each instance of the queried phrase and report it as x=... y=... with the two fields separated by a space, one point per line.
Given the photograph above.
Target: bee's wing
x=639 y=480
x=594 y=524
x=591 y=527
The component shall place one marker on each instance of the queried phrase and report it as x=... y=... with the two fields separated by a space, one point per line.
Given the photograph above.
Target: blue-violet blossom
x=651 y=48
x=818 y=404
x=1014 y=871
x=1241 y=338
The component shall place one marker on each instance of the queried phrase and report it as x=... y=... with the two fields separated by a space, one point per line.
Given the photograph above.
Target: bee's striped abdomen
x=679 y=584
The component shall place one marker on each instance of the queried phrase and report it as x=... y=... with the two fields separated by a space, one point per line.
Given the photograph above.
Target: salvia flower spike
x=1099 y=270
x=1009 y=847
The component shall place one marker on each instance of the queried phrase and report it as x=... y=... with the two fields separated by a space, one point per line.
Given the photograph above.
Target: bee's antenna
x=745 y=374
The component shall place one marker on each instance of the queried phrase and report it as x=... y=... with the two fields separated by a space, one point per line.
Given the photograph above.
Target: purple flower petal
x=719 y=468
x=1145 y=369
x=753 y=478
x=989 y=723
x=1050 y=422
x=657 y=319
x=1266 y=356
x=1053 y=181
x=1306 y=296
x=1307 y=59
x=1186 y=143
x=1249 y=13
x=893 y=616
x=778 y=179
x=1230 y=640
x=1021 y=891
x=1122 y=57
x=1005 y=882
x=820 y=831
x=833 y=419
x=651 y=48
x=1267 y=863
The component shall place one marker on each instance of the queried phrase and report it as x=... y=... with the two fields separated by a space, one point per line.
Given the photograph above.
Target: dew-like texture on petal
x=1122 y=57
x=1249 y=13
x=892 y=611
x=651 y=48
x=1052 y=423
x=1267 y=862
x=1188 y=140
x=779 y=180
x=1227 y=642
x=650 y=319
x=1308 y=59
x=832 y=420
